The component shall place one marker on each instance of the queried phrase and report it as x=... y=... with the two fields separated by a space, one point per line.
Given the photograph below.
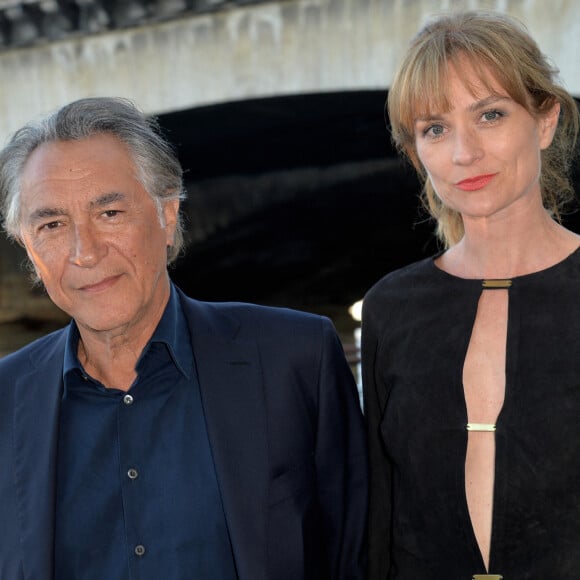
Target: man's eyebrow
x=43 y=213
x=106 y=199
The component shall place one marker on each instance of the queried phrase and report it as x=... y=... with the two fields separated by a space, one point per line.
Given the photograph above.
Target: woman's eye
x=434 y=130
x=492 y=115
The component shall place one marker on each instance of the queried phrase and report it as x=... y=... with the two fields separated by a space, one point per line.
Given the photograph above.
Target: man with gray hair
x=157 y=436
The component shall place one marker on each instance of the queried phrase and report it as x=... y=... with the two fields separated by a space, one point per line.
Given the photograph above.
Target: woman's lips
x=475 y=183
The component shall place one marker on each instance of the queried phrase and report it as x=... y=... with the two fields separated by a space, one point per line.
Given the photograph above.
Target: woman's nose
x=466 y=147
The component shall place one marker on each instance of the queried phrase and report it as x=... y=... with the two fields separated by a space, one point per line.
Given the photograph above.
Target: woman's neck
x=507 y=250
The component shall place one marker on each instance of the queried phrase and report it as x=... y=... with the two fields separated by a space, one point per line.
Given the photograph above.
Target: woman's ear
x=548 y=124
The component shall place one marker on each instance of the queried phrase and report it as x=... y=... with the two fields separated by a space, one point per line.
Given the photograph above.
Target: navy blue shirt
x=137 y=494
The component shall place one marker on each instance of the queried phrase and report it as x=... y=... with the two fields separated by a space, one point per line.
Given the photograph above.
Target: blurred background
x=276 y=109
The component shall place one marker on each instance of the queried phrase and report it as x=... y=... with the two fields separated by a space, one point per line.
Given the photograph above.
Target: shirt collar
x=172 y=331
x=71 y=360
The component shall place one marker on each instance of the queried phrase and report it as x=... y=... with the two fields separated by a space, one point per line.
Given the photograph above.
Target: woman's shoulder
x=405 y=279
x=401 y=292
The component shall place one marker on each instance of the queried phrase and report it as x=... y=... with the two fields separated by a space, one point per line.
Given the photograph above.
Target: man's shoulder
x=248 y=310
x=253 y=312
x=253 y=318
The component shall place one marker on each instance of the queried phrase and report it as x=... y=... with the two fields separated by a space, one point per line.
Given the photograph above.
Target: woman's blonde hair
x=490 y=42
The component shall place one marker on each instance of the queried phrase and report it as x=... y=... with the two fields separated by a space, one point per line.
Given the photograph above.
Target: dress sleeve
x=374 y=397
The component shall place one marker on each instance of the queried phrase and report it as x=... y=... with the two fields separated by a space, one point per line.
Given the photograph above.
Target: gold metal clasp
x=490 y=427
x=487 y=577
x=496 y=284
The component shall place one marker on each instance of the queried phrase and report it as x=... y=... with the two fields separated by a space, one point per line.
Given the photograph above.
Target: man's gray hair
x=157 y=165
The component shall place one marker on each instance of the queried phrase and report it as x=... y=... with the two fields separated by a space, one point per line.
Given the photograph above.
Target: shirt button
x=133 y=473
x=139 y=550
x=128 y=400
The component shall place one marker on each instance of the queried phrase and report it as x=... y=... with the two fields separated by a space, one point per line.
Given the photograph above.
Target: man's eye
x=50 y=226
x=112 y=213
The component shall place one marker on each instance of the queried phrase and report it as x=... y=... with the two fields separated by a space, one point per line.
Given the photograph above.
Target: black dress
x=416 y=328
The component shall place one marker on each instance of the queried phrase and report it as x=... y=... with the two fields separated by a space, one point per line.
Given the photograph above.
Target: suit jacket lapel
x=230 y=379
x=37 y=399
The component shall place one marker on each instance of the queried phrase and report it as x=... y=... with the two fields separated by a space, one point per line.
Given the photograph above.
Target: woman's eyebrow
x=477 y=106
x=483 y=103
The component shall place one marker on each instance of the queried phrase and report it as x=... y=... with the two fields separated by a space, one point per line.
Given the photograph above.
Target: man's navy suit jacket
x=285 y=429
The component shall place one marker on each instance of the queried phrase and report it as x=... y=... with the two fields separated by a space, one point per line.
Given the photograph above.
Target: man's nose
x=87 y=246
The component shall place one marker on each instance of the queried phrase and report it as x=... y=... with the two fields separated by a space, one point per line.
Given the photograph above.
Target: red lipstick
x=475 y=183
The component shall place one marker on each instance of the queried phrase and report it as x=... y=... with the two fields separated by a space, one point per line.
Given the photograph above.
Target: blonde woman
x=471 y=358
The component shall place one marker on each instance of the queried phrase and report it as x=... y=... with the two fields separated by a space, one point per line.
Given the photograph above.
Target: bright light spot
x=356 y=310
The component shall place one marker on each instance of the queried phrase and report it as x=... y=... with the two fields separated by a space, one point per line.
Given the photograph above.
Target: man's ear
x=170 y=212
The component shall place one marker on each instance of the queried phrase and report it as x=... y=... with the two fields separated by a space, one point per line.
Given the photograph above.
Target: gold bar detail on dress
x=496 y=284
x=482 y=427
x=487 y=577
